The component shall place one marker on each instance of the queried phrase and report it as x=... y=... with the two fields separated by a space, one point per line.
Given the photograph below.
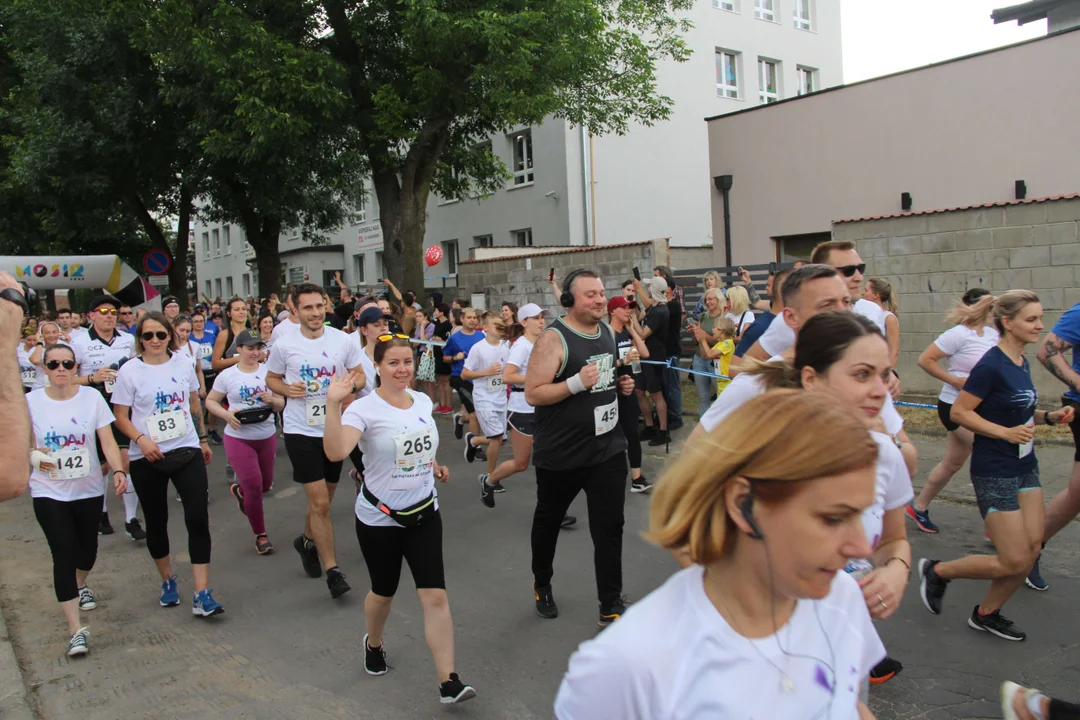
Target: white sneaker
x=87 y=601
x=77 y=643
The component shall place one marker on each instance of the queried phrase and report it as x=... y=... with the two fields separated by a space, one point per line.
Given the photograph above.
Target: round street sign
x=157 y=262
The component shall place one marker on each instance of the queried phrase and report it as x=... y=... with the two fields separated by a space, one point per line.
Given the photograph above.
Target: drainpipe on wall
x=723 y=184
x=586 y=184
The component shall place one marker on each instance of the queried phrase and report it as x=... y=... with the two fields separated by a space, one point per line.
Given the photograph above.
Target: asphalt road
x=284 y=649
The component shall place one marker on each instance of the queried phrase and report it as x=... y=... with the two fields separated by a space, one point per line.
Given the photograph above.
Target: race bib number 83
x=166 y=425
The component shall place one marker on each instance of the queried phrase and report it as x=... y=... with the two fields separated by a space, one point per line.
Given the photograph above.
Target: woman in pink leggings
x=250 y=437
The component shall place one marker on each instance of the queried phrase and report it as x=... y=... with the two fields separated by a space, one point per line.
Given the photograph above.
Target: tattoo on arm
x=196 y=420
x=1054 y=348
x=752 y=293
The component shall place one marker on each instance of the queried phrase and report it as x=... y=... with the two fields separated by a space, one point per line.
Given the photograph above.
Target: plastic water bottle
x=635 y=366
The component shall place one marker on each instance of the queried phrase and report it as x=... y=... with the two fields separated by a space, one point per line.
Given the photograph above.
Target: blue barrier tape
x=672 y=364
x=900 y=403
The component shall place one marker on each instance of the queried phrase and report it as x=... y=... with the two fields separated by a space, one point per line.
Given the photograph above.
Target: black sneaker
x=213 y=435
x=996 y=624
x=545 y=602
x=487 y=492
x=309 y=556
x=611 y=613
x=134 y=530
x=567 y=521
x=648 y=433
x=374 y=659
x=498 y=486
x=470 y=449
x=885 y=671
x=459 y=429
x=455 y=691
x=640 y=485
x=335 y=580
x=104 y=526
x=663 y=437
x=481 y=453
x=931 y=587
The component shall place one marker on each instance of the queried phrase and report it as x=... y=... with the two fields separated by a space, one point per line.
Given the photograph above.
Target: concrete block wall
x=524 y=279
x=932 y=259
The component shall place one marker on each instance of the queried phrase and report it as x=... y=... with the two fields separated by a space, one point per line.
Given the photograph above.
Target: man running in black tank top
x=577 y=444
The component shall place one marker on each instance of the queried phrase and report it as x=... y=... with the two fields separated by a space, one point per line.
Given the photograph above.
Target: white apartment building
x=571 y=189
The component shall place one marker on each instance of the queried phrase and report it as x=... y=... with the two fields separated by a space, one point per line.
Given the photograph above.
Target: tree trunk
x=403 y=216
x=178 y=272
x=264 y=240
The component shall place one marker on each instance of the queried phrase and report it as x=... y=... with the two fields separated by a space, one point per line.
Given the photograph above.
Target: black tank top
x=583 y=429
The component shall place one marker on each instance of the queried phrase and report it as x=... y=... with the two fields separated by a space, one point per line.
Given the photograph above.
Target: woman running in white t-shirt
x=156 y=400
x=397 y=511
x=964 y=345
x=484 y=369
x=765 y=623
x=68 y=423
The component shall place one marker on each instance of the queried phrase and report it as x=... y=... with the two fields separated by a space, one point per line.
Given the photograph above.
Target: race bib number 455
x=606 y=417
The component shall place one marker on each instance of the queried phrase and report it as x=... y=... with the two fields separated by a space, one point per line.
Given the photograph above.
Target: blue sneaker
x=921 y=518
x=1035 y=579
x=204 y=605
x=169 y=595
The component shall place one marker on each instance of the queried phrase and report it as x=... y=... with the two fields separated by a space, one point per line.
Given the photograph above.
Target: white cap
x=529 y=310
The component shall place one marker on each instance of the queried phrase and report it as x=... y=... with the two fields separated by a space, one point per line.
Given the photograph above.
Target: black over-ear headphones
x=567 y=298
x=748 y=515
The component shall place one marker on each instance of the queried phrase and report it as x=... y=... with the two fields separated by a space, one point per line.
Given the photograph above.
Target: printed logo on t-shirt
x=605 y=363
x=55 y=441
x=168 y=401
x=1025 y=398
x=250 y=395
x=317 y=379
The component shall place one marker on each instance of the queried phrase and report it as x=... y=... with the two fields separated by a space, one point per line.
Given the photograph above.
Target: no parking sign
x=157 y=262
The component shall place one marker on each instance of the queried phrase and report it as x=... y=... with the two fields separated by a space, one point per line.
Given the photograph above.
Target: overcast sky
x=882 y=37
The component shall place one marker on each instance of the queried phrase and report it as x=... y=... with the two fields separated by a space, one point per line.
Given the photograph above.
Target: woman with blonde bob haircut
x=768 y=508
x=739 y=311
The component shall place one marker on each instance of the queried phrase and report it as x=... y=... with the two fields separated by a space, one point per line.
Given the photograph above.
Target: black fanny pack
x=177 y=459
x=515 y=388
x=254 y=416
x=407 y=517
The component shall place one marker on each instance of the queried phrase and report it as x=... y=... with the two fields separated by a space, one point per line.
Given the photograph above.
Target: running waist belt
x=253 y=416
x=515 y=388
x=407 y=517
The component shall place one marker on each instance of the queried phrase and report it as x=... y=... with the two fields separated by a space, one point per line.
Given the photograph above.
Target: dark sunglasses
x=388 y=337
x=126 y=312
x=849 y=270
x=150 y=335
x=53 y=364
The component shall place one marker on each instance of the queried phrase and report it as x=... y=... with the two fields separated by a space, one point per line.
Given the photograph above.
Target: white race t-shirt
x=158 y=396
x=369 y=372
x=965 y=348
x=242 y=391
x=68 y=429
x=870 y=311
x=673 y=656
x=779 y=336
x=315 y=362
x=191 y=351
x=28 y=371
x=283 y=329
x=747 y=321
x=392 y=439
x=81 y=332
x=92 y=353
x=489 y=391
x=892 y=487
x=519 y=358
x=41 y=380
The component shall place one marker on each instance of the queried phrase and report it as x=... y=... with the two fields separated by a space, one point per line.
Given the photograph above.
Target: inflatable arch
x=107 y=272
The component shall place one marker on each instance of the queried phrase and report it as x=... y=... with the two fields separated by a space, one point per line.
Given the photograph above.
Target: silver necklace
x=787 y=685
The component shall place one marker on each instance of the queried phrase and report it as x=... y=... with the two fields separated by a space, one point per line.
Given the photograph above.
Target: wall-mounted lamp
x=1021 y=190
x=905 y=201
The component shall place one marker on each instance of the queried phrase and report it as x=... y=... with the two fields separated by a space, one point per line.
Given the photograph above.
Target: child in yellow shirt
x=722 y=351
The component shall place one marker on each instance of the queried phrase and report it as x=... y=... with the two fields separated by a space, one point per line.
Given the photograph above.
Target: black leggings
x=629 y=412
x=152 y=487
x=464 y=390
x=71 y=528
x=385 y=547
x=1061 y=710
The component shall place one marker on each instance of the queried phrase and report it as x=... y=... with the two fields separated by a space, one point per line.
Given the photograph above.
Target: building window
x=802 y=15
x=216 y=234
x=807 y=79
x=296 y=274
x=522 y=238
x=246 y=284
x=379 y=267
x=209 y=291
x=483 y=241
x=228 y=287
x=217 y=287
x=360 y=208
x=768 y=81
x=358 y=268
x=523 y=157
x=765 y=10
x=728 y=5
x=727 y=74
x=227 y=240
x=450 y=252
x=206 y=245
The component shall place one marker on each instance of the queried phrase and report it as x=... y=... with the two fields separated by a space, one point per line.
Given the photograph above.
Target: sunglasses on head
x=53 y=364
x=150 y=335
x=390 y=336
x=849 y=270
x=107 y=311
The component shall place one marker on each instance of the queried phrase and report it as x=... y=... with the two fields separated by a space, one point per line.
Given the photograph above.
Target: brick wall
x=523 y=279
x=931 y=259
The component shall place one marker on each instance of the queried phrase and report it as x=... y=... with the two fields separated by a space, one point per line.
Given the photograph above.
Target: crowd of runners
x=787 y=507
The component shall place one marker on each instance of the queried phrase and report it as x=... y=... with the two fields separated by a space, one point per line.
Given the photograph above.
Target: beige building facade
x=953 y=134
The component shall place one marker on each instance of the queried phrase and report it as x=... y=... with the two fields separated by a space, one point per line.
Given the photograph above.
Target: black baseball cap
x=100 y=300
x=169 y=300
x=249 y=337
x=373 y=314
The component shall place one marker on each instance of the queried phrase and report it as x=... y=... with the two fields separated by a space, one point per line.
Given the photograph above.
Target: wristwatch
x=13 y=295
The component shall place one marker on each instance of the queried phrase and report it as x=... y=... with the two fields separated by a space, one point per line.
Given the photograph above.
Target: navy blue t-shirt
x=460 y=342
x=751 y=334
x=1008 y=399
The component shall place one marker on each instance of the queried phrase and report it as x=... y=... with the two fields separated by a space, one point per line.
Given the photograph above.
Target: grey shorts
x=1002 y=494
